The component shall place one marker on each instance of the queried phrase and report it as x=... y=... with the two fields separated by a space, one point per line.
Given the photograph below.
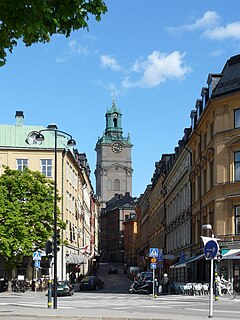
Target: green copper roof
x=16 y=136
x=113 y=131
x=114 y=108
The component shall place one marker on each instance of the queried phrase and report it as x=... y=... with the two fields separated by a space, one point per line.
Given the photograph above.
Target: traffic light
x=49 y=248
x=57 y=240
x=219 y=254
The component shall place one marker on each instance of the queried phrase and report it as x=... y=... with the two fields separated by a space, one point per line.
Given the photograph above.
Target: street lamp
x=71 y=142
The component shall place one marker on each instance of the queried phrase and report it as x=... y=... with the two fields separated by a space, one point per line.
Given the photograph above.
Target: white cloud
x=209 y=19
x=232 y=30
x=73 y=50
x=108 y=61
x=156 y=69
x=217 y=53
x=210 y=23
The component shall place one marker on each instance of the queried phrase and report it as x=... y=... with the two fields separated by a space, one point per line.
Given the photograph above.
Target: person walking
x=165 y=283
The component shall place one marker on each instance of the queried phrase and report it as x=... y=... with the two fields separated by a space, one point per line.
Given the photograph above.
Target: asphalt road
x=114 y=302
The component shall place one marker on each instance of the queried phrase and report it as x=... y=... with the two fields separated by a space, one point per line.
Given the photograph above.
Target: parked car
x=91 y=283
x=113 y=270
x=64 y=288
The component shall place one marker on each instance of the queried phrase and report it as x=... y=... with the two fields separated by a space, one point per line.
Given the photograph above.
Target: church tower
x=114 y=164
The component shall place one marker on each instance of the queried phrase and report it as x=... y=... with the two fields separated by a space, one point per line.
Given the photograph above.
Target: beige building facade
x=79 y=210
x=200 y=185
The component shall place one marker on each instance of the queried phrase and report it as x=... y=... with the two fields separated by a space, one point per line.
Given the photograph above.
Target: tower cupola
x=114 y=122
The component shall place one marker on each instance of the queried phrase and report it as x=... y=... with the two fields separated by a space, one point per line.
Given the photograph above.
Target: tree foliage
x=26 y=214
x=37 y=20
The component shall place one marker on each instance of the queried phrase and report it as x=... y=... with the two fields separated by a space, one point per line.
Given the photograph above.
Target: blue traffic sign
x=153 y=265
x=153 y=253
x=37 y=264
x=160 y=257
x=37 y=255
x=211 y=249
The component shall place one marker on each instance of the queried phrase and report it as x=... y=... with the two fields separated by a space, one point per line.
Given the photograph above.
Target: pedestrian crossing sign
x=37 y=255
x=153 y=252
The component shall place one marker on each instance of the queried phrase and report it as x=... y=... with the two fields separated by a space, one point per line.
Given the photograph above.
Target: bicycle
x=228 y=291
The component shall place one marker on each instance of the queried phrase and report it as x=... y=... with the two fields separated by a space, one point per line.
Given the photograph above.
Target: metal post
x=211 y=291
x=55 y=225
x=153 y=283
x=49 y=302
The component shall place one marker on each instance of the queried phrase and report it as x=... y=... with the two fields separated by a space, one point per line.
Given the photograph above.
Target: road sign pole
x=211 y=291
x=153 y=283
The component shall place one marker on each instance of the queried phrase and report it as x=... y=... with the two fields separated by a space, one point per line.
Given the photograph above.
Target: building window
x=21 y=164
x=237 y=219
x=237 y=118
x=237 y=166
x=46 y=167
x=109 y=185
x=116 y=185
x=199 y=185
x=211 y=167
x=204 y=181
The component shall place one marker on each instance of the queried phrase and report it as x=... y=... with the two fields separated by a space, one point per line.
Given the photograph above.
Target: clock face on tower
x=117 y=147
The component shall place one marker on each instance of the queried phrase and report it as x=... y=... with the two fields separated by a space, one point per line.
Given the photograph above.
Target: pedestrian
x=72 y=277
x=165 y=283
x=221 y=284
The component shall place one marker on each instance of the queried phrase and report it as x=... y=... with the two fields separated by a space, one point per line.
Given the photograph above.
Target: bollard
x=49 y=303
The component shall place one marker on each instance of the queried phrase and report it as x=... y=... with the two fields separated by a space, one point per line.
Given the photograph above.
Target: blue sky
x=154 y=56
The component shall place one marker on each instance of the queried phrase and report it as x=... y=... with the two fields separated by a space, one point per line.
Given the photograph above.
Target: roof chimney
x=19 y=118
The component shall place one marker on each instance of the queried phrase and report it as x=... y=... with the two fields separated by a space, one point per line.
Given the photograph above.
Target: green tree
x=37 y=20
x=26 y=214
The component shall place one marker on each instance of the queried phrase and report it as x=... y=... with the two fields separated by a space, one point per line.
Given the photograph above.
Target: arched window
x=116 y=185
x=115 y=122
x=109 y=185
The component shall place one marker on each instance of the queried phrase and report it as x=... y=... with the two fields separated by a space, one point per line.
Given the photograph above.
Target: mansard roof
x=230 y=80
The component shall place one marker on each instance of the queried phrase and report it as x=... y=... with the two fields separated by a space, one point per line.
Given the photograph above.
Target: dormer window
x=193 y=117
x=204 y=95
x=212 y=81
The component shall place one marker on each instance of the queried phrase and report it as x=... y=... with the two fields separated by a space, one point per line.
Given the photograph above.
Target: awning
x=230 y=254
x=183 y=264
x=75 y=259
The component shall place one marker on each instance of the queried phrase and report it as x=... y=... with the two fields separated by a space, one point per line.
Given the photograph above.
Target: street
x=114 y=302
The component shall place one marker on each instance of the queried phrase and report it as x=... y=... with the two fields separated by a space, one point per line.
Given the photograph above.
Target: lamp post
x=209 y=227
x=71 y=142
